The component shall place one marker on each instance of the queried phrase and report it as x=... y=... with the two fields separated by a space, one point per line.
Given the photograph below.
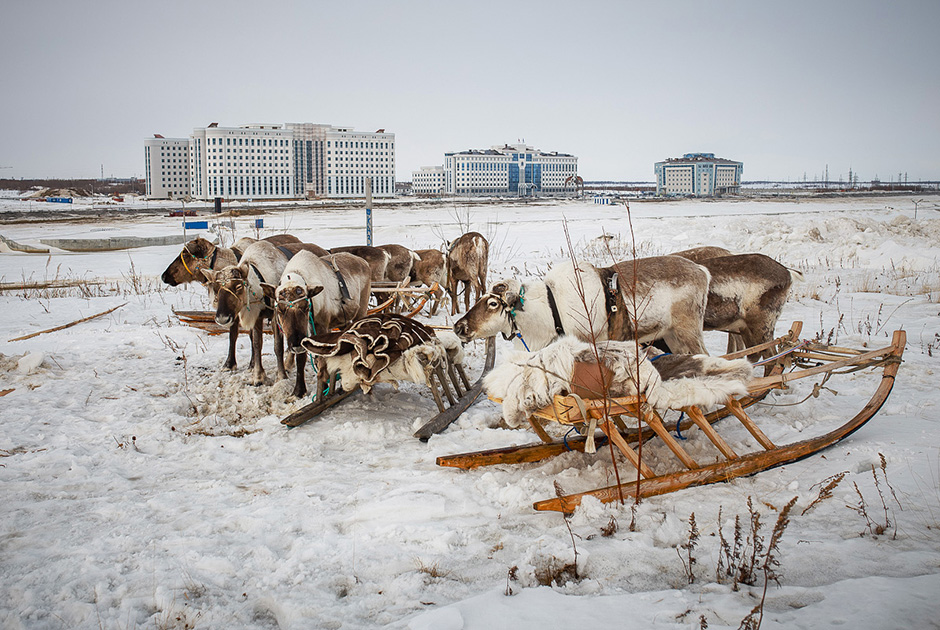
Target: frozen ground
x=143 y=487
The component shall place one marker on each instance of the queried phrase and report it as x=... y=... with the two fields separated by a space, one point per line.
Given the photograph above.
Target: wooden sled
x=451 y=389
x=803 y=359
x=205 y=320
x=402 y=296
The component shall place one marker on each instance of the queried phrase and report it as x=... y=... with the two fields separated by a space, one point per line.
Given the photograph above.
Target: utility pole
x=369 y=211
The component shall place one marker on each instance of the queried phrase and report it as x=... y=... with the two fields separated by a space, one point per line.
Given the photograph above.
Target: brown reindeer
x=746 y=296
x=430 y=268
x=240 y=296
x=467 y=259
x=698 y=254
x=378 y=259
x=199 y=254
x=315 y=295
x=400 y=262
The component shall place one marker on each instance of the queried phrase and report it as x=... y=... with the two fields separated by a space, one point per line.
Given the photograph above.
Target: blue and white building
x=698 y=175
x=500 y=170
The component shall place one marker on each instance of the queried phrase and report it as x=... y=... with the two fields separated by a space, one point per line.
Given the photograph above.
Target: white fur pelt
x=698 y=380
x=528 y=381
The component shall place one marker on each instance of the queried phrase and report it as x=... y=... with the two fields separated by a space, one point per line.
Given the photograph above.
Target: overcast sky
x=786 y=87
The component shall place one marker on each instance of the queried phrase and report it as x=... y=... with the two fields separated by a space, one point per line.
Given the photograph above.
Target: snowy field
x=144 y=488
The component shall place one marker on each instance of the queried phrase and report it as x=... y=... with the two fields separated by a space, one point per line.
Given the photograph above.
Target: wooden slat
x=614 y=435
x=752 y=428
x=652 y=419
x=696 y=415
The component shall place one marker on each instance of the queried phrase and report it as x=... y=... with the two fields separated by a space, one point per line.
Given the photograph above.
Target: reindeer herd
x=314 y=297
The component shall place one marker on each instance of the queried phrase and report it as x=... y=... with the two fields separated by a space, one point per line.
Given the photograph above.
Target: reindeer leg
x=300 y=385
x=278 y=349
x=322 y=379
x=257 y=339
x=232 y=341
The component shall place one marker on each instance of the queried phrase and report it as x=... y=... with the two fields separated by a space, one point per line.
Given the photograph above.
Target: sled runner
x=792 y=360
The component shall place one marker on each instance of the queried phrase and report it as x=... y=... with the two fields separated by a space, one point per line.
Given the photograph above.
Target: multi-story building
x=354 y=156
x=271 y=161
x=309 y=158
x=501 y=170
x=698 y=174
x=428 y=180
x=166 y=167
x=248 y=162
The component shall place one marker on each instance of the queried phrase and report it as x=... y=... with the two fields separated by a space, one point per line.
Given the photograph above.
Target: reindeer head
x=492 y=314
x=294 y=309
x=197 y=254
x=231 y=291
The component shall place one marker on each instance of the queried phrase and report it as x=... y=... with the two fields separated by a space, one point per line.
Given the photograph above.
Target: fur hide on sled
x=385 y=348
x=528 y=381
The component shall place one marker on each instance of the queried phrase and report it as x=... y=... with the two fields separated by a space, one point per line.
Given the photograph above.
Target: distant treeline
x=96 y=186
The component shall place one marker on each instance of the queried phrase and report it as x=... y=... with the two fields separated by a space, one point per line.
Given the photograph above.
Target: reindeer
x=428 y=269
x=378 y=259
x=664 y=299
x=698 y=254
x=746 y=295
x=467 y=259
x=199 y=254
x=239 y=295
x=315 y=295
x=400 y=262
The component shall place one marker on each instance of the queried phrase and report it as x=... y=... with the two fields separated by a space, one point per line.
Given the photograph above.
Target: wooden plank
x=69 y=325
x=760 y=383
x=307 y=412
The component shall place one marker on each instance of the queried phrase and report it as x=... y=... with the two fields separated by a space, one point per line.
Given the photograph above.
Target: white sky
x=786 y=88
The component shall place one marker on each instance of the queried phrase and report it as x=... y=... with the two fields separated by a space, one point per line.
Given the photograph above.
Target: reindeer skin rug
x=527 y=381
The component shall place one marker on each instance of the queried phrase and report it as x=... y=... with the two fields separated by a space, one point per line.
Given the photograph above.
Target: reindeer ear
x=312 y=291
x=268 y=290
x=209 y=274
x=243 y=270
x=509 y=297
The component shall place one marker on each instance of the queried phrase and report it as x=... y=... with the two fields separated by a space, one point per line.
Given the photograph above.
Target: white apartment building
x=271 y=161
x=698 y=174
x=428 y=180
x=248 y=162
x=501 y=170
x=353 y=156
x=166 y=167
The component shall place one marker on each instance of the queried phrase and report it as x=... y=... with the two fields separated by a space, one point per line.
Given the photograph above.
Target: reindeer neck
x=534 y=319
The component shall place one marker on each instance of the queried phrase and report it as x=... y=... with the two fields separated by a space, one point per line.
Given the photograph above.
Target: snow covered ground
x=143 y=487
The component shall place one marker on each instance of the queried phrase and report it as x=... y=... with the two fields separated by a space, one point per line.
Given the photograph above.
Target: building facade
x=166 y=167
x=429 y=180
x=699 y=175
x=270 y=161
x=501 y=170
x=354 y=156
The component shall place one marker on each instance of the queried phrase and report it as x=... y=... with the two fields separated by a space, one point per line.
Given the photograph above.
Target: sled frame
x=793 y=360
